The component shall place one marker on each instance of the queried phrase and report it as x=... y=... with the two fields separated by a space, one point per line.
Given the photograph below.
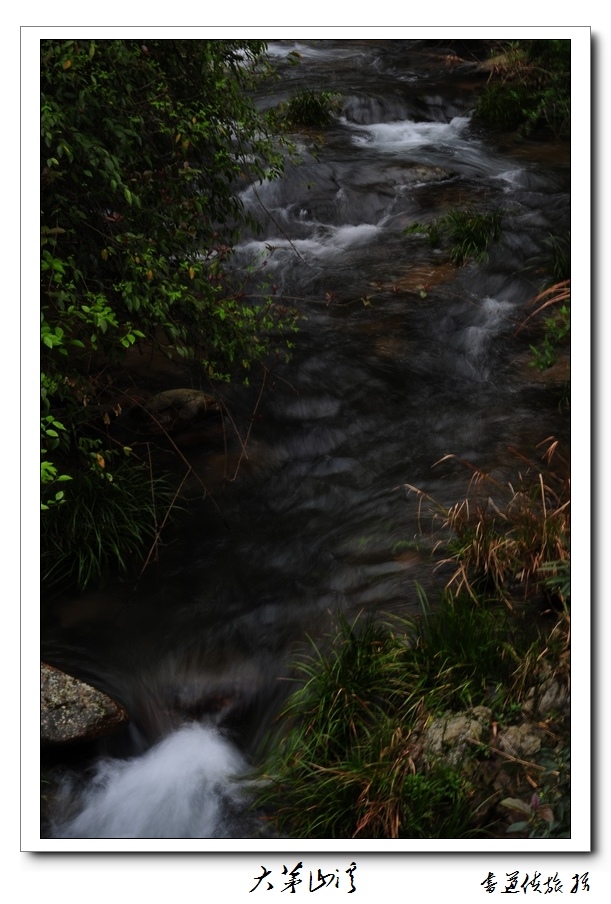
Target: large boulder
x=177 y=409
x=71 y=710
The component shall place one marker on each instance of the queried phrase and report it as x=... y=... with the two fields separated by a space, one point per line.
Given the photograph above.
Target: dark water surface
x=383 y=383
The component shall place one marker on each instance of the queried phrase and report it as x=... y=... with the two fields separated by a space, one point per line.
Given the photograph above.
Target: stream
x=401 y=359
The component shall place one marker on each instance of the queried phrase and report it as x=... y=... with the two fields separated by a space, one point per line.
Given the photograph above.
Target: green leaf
x=517 y=826
x=512 y=803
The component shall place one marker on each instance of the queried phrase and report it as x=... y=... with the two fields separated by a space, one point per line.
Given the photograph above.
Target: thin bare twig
x=252 y=418
x=279 y=227
x=190 y=470
x=158 y=531
x=507 y=756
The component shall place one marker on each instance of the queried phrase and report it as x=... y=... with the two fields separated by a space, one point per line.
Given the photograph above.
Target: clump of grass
x=559 y=257
x=503 y=538
x=346 y=767
x=469 y=233
x=105 y=522
x=308 y=108
x=463 y=652
x=350 y=758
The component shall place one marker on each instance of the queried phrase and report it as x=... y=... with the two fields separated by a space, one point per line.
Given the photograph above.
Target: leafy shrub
x=548 y=812
x=140 y=160
x=529 y=89
x=140 y=157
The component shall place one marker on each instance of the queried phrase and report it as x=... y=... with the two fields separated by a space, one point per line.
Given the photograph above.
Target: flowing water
x=401 y=359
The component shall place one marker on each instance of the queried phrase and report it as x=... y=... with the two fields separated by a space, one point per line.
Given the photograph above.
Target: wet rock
x=176 y=409
x=521 y=741
x=451 y=736
x=549 y=699
x=71 y=710
x=428 y=173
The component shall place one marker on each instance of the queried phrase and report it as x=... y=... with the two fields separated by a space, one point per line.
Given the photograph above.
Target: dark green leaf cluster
x=556 y=334
x=144 y=146
x=307 y=108
x=532 y=90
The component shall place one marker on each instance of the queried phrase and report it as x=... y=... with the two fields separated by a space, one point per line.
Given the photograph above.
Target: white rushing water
x=183 y=787
x=392 y=136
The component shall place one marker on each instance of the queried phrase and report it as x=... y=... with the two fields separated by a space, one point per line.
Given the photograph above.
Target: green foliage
x=558 y=258
x=501 y=104
x=556 y=326
x=463 y=651
x=530 y=89
x=344 y=769
x=556 y=332
x=348 y=757
x=468 y=231
x=142 y=148
x=556 y=578
x=548 y=812
x=308 y=108
x=550 y=53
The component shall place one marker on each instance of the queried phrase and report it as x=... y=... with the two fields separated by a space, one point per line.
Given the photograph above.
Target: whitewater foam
x=183 y=787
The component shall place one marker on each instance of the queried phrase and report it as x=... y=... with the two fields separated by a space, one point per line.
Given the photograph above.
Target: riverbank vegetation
x=529 y=88
x=453 y=724
x=142 y=148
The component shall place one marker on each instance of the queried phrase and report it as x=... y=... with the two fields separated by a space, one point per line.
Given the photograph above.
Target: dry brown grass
x=510 y=540
x=556 y=294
